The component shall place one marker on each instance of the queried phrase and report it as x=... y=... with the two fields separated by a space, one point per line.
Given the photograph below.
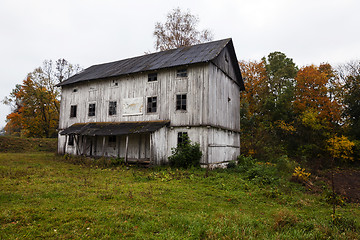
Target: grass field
x=44 y=196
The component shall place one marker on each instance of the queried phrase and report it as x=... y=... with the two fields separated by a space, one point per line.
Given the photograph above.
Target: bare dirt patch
x=347 y=183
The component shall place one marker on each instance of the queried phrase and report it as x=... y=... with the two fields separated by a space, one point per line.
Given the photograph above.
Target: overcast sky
x=88 y=32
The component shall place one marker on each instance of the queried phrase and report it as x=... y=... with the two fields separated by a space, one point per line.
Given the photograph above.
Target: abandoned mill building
x=140 y=108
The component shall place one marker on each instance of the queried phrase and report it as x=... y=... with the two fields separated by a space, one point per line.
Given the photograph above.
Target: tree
x=35 y=103
x=350 y=75
x=316 y=90
x=179 y=30
x=281 y=72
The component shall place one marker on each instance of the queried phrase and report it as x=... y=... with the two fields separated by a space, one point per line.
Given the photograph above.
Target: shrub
x=300 y=174
x=186 y=154
x=245 y=163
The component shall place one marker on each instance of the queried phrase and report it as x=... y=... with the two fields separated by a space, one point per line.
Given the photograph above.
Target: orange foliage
x=254 y=75
x=313 y=92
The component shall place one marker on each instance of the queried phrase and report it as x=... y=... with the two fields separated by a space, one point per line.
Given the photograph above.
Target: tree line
x=308 y=113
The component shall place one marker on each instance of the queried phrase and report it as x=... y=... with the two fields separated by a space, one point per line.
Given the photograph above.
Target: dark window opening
x=75 y=90
x=181 y=102
x=182 y=138
x=152 y=77
x=151 y=104
x=71 y=140
x=112 y=108
x=112 y=140
x=73 y=109
x=115 y=83
x=91 y=109
x=181 y=73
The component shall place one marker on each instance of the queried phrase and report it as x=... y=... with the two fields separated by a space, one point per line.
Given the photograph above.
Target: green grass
x=19 y=144
x=42 y=196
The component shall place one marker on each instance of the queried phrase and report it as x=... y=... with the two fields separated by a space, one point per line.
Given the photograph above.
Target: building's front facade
x=139 y=108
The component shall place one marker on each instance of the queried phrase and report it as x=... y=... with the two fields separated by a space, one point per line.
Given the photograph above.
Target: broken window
x=71 y=140
x=112 y=108
x=181 y=73
x=152 y=77
x=73 y=109
x=181 y=102
x=91 y=109
x=182 y=138
x=151 y=104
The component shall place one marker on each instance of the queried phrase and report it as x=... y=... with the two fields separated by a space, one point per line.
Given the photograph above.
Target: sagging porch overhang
x=114 y=128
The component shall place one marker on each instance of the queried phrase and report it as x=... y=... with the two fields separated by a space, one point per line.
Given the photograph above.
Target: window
x=152 y=77
x=151 y=104
x=181 y=102
x=91 y=109
x=75 y=90
x=73 y=109
x=181 y=73
x=114 y=83
x=112 y=141
x=182 y=137
x=112 y=108
x=71 y=140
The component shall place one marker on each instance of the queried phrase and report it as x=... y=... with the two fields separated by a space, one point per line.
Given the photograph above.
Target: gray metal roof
x=171 y=58
x=114 y=128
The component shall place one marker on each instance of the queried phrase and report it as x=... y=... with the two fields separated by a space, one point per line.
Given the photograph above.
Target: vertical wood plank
x=103 y=146
x=66 y=140
x=126 y=147
x=118 y=139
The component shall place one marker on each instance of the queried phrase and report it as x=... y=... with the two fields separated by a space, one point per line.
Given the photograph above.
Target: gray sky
x=89 y=32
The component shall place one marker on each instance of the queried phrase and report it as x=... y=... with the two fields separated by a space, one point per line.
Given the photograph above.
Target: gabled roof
x=187 y=55
x=114 y=128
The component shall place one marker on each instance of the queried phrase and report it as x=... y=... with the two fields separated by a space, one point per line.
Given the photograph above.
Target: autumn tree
x=315 y=89
x=179 y=30
x=251 y=101
x=35 y=103
x=318 y=108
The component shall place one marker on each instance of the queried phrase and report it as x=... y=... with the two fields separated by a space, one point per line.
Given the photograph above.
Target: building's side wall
x=223 y=100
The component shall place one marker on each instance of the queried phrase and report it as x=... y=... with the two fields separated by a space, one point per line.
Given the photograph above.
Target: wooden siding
x=223 y=100
x=165 y=88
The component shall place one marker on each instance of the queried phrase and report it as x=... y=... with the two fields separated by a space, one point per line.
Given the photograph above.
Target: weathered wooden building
x=139 y=108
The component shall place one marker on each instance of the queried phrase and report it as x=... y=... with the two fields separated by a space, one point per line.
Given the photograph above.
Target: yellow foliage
x=310 y=118
x=341 y=148
x=300 y=174
x=285 y=126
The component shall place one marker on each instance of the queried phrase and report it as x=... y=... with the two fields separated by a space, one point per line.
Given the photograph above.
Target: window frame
x=180 y=106
x=92 y=113
x=151 y=102
x=182 y=73
x=152 y=77
x=112 y=109
x=73 y=113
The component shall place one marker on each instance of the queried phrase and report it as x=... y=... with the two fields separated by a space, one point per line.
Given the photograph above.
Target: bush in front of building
x=186 y=154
